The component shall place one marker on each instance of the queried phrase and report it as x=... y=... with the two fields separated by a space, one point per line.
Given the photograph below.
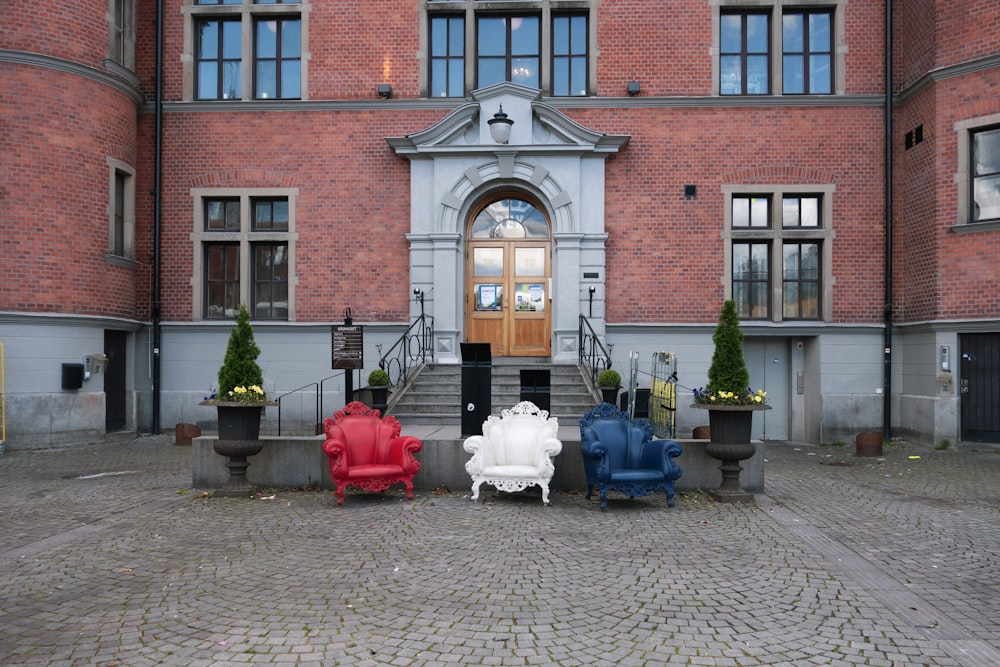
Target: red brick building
x=163 y=162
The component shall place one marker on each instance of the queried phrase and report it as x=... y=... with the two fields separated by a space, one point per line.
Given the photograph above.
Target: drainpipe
x=157 y=194
x=887 y=336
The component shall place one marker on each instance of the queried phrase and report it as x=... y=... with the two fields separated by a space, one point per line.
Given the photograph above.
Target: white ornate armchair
x=515 y=450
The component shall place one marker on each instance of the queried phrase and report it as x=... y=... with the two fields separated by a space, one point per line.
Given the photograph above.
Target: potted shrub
x=610 y=381
x=378 y=383
x=239 y=402
x=730 y=403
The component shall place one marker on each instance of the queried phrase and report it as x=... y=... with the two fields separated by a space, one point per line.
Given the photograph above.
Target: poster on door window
x=530 y=297
x=488 y=297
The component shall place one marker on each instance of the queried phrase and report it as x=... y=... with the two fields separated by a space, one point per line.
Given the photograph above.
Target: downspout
x=887 y=335
x=157 y=198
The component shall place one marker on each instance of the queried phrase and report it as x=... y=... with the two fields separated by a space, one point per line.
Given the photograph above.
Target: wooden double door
x=508 y=303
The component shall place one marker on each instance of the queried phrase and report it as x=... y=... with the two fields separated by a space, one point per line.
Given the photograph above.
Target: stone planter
x=239 y=438
x=610 y=395
x=729 y=441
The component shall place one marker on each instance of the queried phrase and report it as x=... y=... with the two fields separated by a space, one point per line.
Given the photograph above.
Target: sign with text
x=348 y=346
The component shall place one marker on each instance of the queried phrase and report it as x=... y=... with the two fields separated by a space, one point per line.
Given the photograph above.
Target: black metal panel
x=477 y=393
x=536 y=386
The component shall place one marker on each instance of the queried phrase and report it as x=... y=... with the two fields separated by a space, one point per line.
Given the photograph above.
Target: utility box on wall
x=72 y=376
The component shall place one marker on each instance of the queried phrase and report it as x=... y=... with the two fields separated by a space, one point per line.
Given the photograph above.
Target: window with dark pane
x=986 y=175
x=270 y=281
x=118 y=233
x=447 y=62
x=222 y=215
x=751 y=279
x=270 y=215
x=222 y=280
x=801 y=281
x=569 y=55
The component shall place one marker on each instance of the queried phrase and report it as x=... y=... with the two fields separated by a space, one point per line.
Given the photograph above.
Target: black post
x=348 y=373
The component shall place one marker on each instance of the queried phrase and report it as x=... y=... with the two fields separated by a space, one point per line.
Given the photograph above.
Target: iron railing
x=593 y=356
x=295 y=391
x=414 y=348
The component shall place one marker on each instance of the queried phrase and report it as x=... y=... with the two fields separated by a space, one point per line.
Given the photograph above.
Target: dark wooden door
x=980 y=387
x=114 y=380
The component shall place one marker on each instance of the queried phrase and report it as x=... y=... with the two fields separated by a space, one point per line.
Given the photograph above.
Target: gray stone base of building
x=299 y=462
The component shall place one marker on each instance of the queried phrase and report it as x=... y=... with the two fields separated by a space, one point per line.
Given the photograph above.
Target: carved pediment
x=538 y=128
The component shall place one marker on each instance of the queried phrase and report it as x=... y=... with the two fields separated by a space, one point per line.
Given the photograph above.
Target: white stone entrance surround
x=455 y=164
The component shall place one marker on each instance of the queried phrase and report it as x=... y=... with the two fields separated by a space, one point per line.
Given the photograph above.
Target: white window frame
x=245 y=237
x=248 y=12
x=777 y=8
x=776 y=234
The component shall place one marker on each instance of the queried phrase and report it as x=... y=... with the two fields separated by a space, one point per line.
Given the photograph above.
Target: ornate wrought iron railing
x=593 y=356
x=414 y=348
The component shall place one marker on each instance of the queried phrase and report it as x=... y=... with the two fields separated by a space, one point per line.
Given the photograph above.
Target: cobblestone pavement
x=110 y=558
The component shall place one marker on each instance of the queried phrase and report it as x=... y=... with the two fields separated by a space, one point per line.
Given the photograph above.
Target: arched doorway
x=507 y=277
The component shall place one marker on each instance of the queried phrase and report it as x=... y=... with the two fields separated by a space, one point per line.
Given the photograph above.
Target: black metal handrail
x=295 y=391
x=414 y=347
x=593 y=356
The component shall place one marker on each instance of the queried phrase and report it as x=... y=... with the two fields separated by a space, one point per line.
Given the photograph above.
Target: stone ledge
x=299 y=462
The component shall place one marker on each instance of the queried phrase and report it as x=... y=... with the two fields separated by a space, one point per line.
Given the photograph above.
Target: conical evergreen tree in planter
x=240 y=397
x=239 y=403
x=239 y=367
x=730 y=403
x=728 y=372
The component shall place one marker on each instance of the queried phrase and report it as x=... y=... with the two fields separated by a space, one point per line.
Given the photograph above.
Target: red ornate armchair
x=367 y=451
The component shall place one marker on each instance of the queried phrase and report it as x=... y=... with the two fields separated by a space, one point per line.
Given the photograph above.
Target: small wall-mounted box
x=72 y=376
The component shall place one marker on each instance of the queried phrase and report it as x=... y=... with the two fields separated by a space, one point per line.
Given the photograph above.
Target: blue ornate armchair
x=621 y=455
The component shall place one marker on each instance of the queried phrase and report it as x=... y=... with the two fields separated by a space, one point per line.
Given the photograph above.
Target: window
x=278 y=58
x=779 y=251
x=751 y=211
x=800 y=281
x=508 y=49
x=985 y=170
x=800 y=211
x=806 y=52
x=533 y=47
x=246 y=49
x=447 y=56
x=751 y=279
x=752 y=34
x=569 y=55
x=121 y=213
x=122 y=35
x=745 y=53
x=247 y=249
x=220 y=45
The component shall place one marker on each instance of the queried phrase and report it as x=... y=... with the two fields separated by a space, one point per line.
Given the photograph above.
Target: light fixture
x=500 y=126
x=690 y=191
x=384 y=91
x=634 y=88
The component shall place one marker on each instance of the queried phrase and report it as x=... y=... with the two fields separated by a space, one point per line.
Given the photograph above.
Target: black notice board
x=347 y=341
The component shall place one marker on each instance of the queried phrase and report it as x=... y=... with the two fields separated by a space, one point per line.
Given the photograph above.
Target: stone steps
x=434 y=396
